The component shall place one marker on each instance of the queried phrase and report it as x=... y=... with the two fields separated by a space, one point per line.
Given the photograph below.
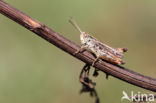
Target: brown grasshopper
x=99 y=49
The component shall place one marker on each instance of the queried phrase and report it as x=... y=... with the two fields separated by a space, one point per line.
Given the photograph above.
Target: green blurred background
x=34 y=71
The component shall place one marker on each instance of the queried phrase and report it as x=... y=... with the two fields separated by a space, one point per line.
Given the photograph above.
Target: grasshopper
x=99 y=49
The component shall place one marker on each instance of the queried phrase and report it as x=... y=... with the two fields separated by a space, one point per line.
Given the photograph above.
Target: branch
x=70 y=47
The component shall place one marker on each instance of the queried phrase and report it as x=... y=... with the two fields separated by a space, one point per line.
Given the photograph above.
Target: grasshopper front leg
x=82 y=48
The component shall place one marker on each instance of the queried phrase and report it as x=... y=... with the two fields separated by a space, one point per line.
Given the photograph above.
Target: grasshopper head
x=83 y=37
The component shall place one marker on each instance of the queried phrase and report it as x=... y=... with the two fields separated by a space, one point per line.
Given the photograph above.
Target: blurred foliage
x=34 y=71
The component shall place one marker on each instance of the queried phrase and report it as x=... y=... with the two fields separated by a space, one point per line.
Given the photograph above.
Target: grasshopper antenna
x=72 y=21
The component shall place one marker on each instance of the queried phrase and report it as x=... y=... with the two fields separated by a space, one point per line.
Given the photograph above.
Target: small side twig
x=87 y=84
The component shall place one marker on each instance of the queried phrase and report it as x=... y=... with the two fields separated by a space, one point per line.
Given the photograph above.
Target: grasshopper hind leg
x=98 y=57
x=119 y=61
